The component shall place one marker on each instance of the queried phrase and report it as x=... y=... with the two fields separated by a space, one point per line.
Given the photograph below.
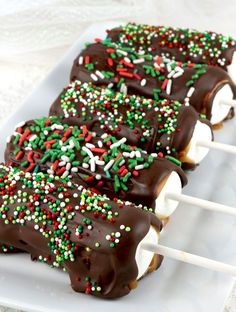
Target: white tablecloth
x=34 y=35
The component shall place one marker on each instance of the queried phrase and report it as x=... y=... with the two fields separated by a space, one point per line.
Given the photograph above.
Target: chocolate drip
x=163 y=127
x=177 y=43
x=100 y=162
x=93 y=238
x=110 y=64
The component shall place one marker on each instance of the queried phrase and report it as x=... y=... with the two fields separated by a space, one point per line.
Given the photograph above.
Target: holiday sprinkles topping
x=59 y=211
x=67 y=151
x=114 y=110
x=207 y=46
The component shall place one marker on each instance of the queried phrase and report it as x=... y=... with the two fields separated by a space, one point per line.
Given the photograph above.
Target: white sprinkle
x=61 y=163
x=143 y=82
x=138 y=61
x=138 y=154
x=126 y=154
x=117 y=234
x=81 y=59
x=99 y=74
x=36 y=227
x=122 y=227
x=122 y=52
x=92 y=164
x=89 y=145
x=20 y=124
x=110 y=85
x=64 y=148
x=98 y=176
x=34 y=136
x=122 y=163
x=100 y=162
x=171 y=74
x=65 y=174
x=84 y=165
x=57 y=127
x=117 y=144
x=100 y=144
x=105 y=135
x=123 y=89
x=190 y=92
x=84 y=148
x=68 y=166
x=177 y=74
x=168 y=87
x=132 y=154
x=139 y=167
x=109 y=165
x=62 y=204
x=108 y=237
x=126 y=59
x=94 y=77
x=74 y=169
x=65 y=158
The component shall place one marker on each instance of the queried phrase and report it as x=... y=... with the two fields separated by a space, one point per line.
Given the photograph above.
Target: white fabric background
x=34 y=35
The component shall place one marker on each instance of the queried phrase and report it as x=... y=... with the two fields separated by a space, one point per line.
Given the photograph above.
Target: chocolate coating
x=162 y=126
x=179 y=44
x=155 y=77
x=100 y=162
x=66 y=226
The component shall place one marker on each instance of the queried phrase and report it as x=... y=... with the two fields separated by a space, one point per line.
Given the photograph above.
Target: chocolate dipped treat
x=101 y=162
x=180 y=44
x=165 y=127
x=94 y=239
x=128 y=71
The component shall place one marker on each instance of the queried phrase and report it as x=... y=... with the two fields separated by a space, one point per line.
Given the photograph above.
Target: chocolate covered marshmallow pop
x=103 y=163
x=105 y=246
x=207 y=88
x=185 y=45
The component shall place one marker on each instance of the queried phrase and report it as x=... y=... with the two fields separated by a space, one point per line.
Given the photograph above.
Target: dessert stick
x=185 y=45
x=105 y=246
x=163 y=126
x=190 y=258
x=201 y=203
x=123 y=69
x=102 y=163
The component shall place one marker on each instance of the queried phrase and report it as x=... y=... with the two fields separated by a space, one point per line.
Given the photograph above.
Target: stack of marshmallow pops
x=89 y=188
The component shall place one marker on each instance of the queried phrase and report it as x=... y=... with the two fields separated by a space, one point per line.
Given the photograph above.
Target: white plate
x=174 y=287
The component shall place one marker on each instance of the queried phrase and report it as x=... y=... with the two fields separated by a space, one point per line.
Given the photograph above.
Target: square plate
x=175 y=286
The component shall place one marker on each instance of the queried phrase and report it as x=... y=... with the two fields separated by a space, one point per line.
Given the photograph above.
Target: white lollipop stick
x=218 y=146
x=231 y=103
x=202 y=203
x=190 y=258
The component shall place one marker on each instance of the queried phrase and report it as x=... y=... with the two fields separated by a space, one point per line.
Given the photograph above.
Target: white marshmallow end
x=220 y=110
x=165 y=207
x=144 y=257
x=231 y=69
x=196 y=153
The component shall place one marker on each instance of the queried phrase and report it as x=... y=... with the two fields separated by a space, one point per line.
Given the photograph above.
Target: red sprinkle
x=110 y=61
x=30 y=168
x=164 y=84
x=135 y=173
x=19 y=155
x=24 y=136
